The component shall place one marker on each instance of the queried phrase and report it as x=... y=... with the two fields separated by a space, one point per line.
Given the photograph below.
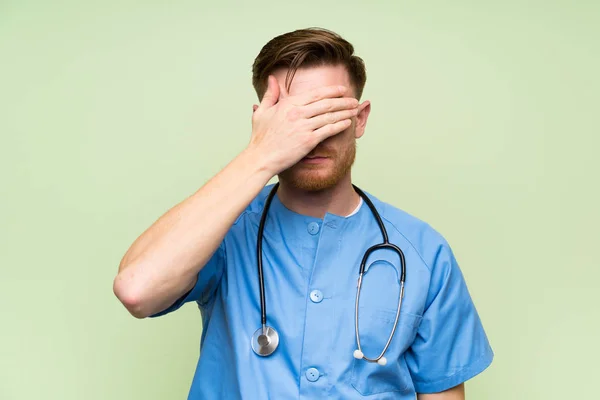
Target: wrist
x=259 y=165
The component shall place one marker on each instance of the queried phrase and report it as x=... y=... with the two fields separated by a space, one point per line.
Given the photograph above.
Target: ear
x=254 y=108
x=361 y=119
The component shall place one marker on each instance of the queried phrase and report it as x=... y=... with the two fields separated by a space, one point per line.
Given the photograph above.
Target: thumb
x=272 y=94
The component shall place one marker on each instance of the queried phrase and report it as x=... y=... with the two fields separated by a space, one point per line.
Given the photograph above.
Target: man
x=316 y=231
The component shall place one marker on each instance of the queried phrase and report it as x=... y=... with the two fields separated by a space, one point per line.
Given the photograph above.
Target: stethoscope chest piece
x=265 y=340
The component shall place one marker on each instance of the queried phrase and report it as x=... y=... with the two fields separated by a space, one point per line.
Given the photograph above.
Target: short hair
x=307 y=48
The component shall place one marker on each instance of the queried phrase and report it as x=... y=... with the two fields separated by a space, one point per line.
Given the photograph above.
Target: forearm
x=456 y=393
x=163 y=263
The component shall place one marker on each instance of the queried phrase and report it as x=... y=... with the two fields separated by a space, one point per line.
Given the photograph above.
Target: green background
x=484 y=123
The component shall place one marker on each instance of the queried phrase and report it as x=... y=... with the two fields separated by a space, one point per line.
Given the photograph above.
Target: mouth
x=314 y=159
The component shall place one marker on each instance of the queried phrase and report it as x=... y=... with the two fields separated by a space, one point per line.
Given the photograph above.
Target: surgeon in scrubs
x=305 y=126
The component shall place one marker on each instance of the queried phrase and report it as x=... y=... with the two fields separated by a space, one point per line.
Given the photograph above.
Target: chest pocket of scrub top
x=376 y=315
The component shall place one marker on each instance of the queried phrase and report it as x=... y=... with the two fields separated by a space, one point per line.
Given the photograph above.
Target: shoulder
x=255 y=207
x=426 y=240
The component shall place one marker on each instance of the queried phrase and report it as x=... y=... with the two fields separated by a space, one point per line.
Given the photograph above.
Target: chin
x=310 y=181
x=313 y=185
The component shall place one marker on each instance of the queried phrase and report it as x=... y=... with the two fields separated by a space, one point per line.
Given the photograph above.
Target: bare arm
x=456 y=393
x=163 y=263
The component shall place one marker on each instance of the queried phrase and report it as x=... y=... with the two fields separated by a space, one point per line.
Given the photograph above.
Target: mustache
x=321 y=151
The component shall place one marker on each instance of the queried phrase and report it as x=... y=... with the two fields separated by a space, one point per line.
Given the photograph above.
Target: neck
x=340 y=199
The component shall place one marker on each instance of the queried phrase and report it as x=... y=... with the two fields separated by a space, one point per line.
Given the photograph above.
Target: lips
x=315 y=160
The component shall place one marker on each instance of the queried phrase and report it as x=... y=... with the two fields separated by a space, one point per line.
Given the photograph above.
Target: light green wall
x=484 y=123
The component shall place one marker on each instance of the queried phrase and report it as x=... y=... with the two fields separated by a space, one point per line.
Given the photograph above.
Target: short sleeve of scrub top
x=451 y=345
x=440 y=341
x=206 y=284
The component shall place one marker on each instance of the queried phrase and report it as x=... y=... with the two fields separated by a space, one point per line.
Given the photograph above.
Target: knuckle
x=330 y=106
x=330 y=117
x=309 y=139
x=293 y=114
x=303 y=126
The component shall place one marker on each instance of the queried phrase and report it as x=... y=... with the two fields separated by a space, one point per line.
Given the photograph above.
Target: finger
x=319 y=94
x=329 y=105
x=272 y=94
x=331 y=129
x=331 y=118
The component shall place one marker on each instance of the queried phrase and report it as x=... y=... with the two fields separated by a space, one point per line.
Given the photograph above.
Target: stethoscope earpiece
x=265 y=340
x=359 y=355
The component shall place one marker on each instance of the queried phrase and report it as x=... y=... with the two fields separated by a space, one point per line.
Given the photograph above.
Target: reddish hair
x=307 y=48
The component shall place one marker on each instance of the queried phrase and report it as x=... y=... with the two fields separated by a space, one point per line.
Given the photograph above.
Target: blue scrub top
x=311 y=267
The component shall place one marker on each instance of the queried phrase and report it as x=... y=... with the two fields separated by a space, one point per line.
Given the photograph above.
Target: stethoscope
x=266 y=339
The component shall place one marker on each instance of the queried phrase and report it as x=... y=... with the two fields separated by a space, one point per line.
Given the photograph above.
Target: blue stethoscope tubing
x=266 y=339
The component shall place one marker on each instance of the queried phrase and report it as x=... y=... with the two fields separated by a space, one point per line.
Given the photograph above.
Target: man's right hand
x=163 y=263
x=286 y=128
